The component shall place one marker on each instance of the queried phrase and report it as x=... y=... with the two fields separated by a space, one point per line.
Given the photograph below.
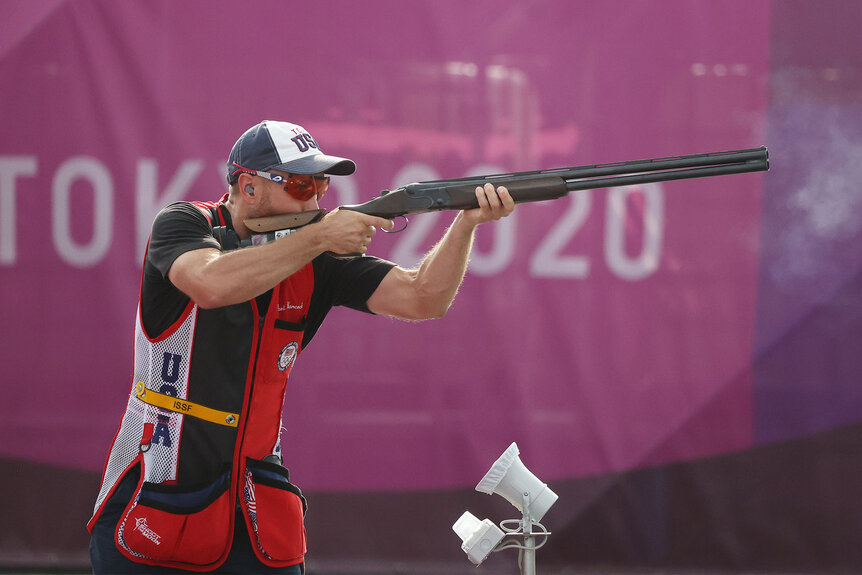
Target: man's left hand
x=493 y=205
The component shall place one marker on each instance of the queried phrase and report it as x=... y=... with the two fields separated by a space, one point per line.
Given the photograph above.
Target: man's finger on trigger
x=387 y=225
x=378 y=222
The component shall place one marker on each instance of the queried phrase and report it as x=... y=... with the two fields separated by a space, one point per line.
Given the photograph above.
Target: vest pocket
x=275 y=508
x=169 y=523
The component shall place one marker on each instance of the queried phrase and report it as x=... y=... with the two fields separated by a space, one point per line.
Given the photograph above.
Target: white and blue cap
x=282 y=146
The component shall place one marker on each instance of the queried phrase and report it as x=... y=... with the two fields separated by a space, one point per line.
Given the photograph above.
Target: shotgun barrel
x=541 y=185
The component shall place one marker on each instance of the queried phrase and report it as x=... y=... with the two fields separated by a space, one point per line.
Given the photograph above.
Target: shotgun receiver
x=535 y=186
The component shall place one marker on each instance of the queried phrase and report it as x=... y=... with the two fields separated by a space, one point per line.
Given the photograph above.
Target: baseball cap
x=283 y=146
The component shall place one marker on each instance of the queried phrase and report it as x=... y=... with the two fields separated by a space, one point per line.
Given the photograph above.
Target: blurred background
x=680 y=362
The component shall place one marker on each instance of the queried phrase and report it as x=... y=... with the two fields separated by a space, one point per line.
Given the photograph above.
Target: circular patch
x=287 y=355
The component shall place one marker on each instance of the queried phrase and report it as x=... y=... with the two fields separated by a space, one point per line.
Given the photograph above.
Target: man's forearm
x=442 y=270
x=427 y=291
x=215 y=279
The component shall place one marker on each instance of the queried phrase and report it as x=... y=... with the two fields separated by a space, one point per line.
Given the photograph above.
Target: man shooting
x=194 y=479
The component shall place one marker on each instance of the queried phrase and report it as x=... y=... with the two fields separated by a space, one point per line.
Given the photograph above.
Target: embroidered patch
x=141 y=525
x=287 y=356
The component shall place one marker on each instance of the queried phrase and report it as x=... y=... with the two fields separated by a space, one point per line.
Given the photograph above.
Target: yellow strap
x=172 y=403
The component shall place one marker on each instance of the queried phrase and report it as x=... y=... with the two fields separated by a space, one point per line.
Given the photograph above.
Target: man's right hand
x=348 y=232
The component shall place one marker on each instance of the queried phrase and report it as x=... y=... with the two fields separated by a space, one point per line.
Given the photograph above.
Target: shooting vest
x=203 y=414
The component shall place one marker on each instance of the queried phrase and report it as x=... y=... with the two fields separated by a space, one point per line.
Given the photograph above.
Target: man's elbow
x=209 y=298
x=438 y=311
x=192 y=274
x=430 y=310
x=404 y=295
x=206 y=302
x=433 y=304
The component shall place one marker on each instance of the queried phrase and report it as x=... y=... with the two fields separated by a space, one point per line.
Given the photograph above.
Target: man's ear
x=245 y=184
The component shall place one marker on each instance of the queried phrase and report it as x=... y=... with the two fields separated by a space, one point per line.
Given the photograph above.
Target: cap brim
x=319 y=163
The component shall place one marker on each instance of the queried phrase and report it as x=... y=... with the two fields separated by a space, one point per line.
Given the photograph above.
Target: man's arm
x=428 y=291
x=213 y=278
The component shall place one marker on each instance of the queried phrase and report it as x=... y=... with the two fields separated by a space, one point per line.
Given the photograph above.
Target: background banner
x=664 y=355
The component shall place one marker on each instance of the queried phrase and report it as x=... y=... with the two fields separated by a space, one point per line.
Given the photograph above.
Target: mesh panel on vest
x=162 y=366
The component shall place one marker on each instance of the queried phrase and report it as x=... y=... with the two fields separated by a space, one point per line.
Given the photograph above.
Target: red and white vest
x=203 y=413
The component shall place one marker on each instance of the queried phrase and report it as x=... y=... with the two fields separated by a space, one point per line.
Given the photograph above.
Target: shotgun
x=533 y=186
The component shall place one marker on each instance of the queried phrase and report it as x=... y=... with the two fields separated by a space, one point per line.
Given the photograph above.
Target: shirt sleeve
x=178 y=228
x=345 y=282
x=350 y=282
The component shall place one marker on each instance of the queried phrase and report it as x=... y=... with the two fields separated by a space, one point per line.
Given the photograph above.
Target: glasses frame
x=288 y=181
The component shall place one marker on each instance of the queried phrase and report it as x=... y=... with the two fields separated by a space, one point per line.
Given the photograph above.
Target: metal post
x=528 y=555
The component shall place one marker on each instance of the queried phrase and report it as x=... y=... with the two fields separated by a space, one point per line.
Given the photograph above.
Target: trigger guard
x=401 y=229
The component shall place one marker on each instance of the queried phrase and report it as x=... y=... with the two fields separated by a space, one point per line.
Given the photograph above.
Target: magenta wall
x=608 y=332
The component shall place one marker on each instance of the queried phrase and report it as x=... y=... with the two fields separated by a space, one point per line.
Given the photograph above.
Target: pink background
x=679 y=362
x=588 y=370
